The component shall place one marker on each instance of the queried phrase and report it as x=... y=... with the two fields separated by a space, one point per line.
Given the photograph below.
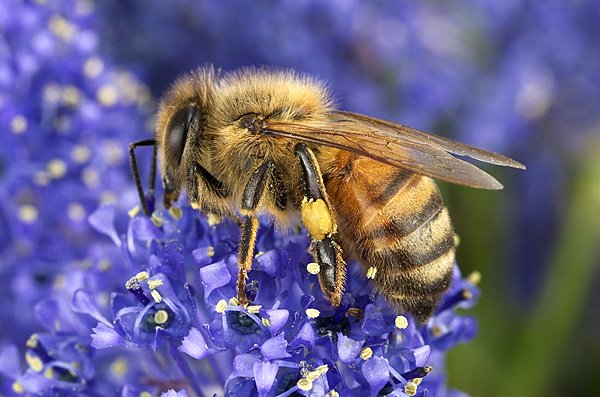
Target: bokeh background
x=517 y=77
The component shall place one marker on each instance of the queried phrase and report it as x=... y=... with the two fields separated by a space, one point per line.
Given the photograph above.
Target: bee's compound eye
x=181 y=123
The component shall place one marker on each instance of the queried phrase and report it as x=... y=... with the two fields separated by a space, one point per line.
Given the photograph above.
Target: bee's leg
x=214 y=186
x=250 y=200
x=136 y=174
x=317 y=216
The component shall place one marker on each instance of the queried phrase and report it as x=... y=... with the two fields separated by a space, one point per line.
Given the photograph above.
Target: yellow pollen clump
x=312 y=313
x=34 y=362
x=145 y=394
x=92 y=67
x=417 y=381
x=156 y=295
x=28 y=214
x=119 y=367
x=57 y=168
x=154 y=284
x=474 y=278
x=221 y=306
x=371 y=272
x=107 y=95
x=141 y=276
x=175 y=212
x=304 y=384
x=410 y=388
x=322 y=369
x=211 y=252
x=313 y=268
x=18 y=124
x=17 y=387
x=266 y=322
x=134 y=211
x=366 y=353
x=254 y=309
x=234 y=301
x=33 y=340
x=317 y=218
x=81 y=154
x=161 y=317
x=401 y=322
x=76 y=212
x=333 y=393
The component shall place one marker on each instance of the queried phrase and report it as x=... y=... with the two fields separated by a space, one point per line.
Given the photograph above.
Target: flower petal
x=214 y=276
x=103 y=220
x=277 y=319
x=243 y=365
x=376 y=372
x=194 y=345
x=264 y=376
x=104 y=337
x=173 y=393
x=82 y=302
x=348 y=348
x=274 y=348
x=10 y=363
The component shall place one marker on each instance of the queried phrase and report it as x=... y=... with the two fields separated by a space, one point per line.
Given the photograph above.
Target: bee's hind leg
x=317 y=216
x=250 y=200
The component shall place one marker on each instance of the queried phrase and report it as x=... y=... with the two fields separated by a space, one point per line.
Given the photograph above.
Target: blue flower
x=133 y=305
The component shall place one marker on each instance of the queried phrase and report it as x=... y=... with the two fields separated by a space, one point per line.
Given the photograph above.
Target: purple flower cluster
x=66 y=116
x=289 y=340
x=103 y=304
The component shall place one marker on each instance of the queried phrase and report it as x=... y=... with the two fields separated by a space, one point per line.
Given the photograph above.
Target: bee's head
x=180 y=125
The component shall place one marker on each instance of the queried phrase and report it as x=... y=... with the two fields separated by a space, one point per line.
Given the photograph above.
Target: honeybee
x=257 y=141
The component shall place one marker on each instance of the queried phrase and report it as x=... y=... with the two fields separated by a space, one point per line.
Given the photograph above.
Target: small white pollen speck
x=81 y=154
x=156 y=295
x=313 y=268
x=18 y=124
x=107 y=95
x=366 y=353
x=401 y=322
x=92 y=67
x=76 y=212
x=221 y=306
x=312 y=313
x=57 y=168
x=28 y=214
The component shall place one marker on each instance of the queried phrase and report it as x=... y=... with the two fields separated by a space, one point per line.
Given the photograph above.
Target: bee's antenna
x=136 y=174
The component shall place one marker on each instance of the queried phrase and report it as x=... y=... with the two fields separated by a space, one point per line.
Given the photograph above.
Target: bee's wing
x=399 y=146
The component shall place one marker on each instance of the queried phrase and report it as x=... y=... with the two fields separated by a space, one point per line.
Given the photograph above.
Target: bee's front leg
x=136 y=174
x=317 y=216
x=253 y=192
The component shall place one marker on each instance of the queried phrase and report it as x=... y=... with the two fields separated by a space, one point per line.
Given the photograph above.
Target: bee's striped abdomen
x=395 y=221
